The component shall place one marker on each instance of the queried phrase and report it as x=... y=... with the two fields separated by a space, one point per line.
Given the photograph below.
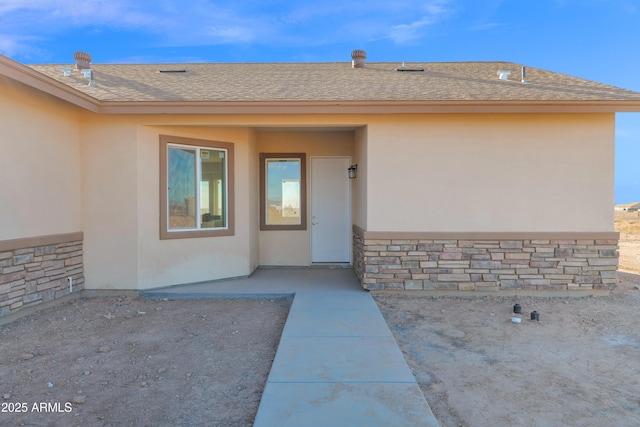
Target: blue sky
x=592 y=39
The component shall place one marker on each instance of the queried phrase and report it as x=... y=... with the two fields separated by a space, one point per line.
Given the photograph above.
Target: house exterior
x=137 y=176
x=628 y=207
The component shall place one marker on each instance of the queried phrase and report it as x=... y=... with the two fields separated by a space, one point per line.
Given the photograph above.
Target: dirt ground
x=630 y=256
x=579 y=365
x=628 y=225
x=128 y=361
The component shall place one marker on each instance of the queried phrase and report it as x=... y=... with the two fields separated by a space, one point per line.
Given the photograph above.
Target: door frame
x=349 y=213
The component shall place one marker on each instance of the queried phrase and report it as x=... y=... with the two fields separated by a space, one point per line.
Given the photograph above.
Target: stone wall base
x=485 y=264
x=36 y=270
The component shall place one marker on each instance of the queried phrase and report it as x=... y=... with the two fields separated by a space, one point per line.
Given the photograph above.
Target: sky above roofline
x=592 y=39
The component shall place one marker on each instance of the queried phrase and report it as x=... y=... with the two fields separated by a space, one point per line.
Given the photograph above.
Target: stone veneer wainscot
x=486 y=261
x=35 y=270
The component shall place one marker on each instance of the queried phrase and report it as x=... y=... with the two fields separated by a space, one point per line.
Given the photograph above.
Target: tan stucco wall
x=110 y=202
x=253 y=193
x=292 y=248
x=491 y=173
x=359 y=184
x=39 y=164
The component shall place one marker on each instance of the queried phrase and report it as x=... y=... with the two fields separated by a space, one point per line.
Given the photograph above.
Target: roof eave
x=25 y=75
x=364 y=107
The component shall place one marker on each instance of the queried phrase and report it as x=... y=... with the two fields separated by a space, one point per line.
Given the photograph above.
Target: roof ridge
x=268 y=63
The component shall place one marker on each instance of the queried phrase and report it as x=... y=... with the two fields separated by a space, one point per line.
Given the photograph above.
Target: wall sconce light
x=352 y=171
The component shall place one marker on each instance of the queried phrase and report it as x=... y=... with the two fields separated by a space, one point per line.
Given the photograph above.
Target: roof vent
x=357 y=58
x=504 y=74
x=524 y=75
x=83 y=60
x=405 y=68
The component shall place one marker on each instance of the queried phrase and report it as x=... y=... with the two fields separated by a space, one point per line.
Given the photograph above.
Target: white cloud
x=212 y=22
x=487 y=26
x=60 y=14
x=9 y=45
x=11 y=5
x=12 y=45
x=229 y=34
x=28 y=25
x=404 y=33
x=434 y=12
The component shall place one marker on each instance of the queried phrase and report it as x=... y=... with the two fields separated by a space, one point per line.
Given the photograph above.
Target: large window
x=196 y=190
x=283 y=200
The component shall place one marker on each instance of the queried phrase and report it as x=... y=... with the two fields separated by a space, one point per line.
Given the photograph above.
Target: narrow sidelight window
x=283 y=191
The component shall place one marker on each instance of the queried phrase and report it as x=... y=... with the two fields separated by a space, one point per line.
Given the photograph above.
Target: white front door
x=330 y=210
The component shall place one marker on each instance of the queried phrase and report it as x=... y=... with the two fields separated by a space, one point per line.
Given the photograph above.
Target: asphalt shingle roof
x=258 y=82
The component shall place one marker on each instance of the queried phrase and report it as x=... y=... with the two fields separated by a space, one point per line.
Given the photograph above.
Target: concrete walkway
x=337 y=363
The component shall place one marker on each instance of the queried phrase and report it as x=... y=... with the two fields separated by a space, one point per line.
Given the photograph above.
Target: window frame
x=165 y=232
x=301 y=157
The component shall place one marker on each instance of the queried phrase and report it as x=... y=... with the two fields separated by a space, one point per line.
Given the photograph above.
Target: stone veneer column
x=35 y=270
x=487 y=264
